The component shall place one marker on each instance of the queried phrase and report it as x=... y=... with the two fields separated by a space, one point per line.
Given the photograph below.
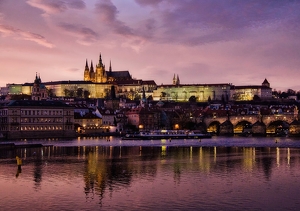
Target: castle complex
x=98 y=82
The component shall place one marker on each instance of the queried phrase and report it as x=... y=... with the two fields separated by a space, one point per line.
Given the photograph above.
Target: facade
x=87 y=123
x=133 y=89
x=144 y=118
x=108 y=117
x=36 y=119
x=202 y=92
x=182 y=92
x=246 y=93
x=71 y=88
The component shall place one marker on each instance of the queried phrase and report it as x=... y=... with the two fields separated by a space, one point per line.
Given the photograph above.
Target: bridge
x=256 y=124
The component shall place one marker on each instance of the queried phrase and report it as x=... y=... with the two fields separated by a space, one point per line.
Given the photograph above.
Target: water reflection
x=114 y=175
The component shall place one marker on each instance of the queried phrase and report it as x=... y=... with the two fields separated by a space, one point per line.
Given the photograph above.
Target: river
x=222 y=173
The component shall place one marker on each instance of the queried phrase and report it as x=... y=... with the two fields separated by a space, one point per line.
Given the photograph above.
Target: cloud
x=108 y=15
x=86 y=36
x=6 y=30
x=73 y=70
x=56 y=6
x=134 y=37
x=148 y=2
x=196 y=22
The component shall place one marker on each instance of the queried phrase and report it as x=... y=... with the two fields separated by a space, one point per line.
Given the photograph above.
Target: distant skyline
x=215 y=41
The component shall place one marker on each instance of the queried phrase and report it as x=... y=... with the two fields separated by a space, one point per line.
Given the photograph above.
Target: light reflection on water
x=214 y=174
x=214 y=141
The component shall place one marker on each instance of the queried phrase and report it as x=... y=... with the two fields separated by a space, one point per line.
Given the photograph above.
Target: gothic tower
x=92 y=73
x=86 y=72
x=176 y=80
x=100 y=76
x=110 y=69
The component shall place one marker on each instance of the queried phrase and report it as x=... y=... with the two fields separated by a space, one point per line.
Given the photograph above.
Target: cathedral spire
x=86 y=76
x=100 y=61
x=86 y=64
x=110 y=66
x=92 y=67
x=40 y=80
x=174 y=79
x=36 y=81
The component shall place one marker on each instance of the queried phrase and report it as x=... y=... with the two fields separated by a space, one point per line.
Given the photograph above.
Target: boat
x=166 y=134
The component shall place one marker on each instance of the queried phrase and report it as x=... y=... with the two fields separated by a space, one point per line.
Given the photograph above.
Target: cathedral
x=100 y=75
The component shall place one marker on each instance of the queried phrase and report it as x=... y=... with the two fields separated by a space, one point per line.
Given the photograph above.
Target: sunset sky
x=203 y=41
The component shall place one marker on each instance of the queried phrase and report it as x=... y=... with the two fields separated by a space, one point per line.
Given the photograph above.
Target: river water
x=222 y=173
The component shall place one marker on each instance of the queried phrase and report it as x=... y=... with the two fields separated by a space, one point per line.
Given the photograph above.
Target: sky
x=203 y=41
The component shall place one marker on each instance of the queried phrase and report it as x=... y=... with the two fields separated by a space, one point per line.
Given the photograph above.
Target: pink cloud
x=148 y=2
x=108 y=15
x=56 y=6
x=6 y=30
x=86 y=36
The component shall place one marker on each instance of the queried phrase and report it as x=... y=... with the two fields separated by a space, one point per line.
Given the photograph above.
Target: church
x=100 y=75
x=39 y=90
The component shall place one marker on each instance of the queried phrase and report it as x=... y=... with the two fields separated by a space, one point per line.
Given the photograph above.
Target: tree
x=298 y=95
x=275 y=94
x=163 y=95
x=79 y=92
x=175 y=96
x=50 y=93
x=284 y=95
x=86 y=94
x=137 y=97
x=67 y=92
x=256 y=98
x=131 y=95
x=209 y=99
x=192 y=99
x=291 y=92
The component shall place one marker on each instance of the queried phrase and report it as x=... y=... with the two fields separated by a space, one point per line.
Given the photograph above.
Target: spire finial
x=100 y=60
x=92 y=67
x=110 y=69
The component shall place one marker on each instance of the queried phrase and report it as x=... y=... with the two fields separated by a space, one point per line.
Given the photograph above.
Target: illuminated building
x=144 y=118
x=246 y=93
x=183 y=92
x=36 y=119
x=87 y=122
